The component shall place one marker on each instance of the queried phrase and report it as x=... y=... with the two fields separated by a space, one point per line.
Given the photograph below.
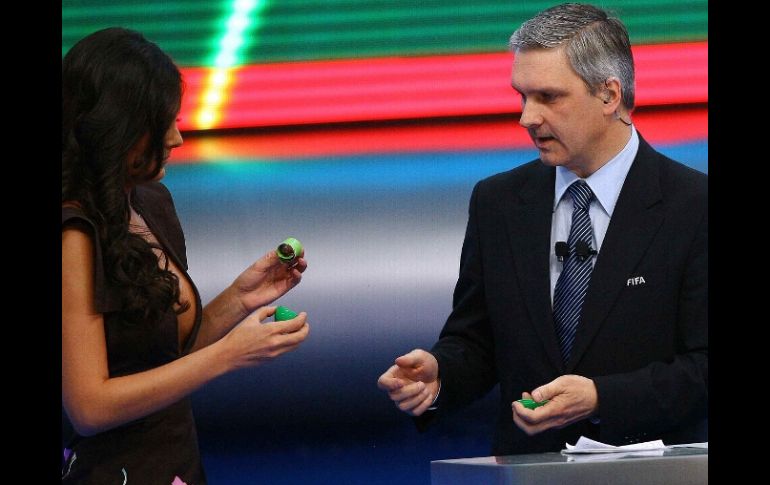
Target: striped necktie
x=570 y=290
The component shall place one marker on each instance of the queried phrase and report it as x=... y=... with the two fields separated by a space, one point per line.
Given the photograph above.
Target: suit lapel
x=528 y=223
x=635 y=220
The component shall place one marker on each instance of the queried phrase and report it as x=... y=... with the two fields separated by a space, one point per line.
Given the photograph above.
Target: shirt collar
x=605 y=182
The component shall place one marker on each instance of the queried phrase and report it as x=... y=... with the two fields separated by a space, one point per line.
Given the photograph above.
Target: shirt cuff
x=433 y=406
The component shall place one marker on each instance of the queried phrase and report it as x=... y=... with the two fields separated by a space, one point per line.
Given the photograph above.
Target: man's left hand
x=570 y=399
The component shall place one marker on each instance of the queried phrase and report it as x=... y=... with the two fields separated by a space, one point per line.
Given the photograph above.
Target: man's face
x=565 y=121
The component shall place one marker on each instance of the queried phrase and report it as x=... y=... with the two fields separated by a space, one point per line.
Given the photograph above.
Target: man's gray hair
x=596 y=44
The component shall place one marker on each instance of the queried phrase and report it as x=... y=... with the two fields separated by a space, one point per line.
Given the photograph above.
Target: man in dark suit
x=584 y=274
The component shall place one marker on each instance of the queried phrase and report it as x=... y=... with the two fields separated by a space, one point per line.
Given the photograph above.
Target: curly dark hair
x=118 y=87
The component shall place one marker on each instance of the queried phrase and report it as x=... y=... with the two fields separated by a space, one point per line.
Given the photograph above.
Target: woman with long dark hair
x=136 y=339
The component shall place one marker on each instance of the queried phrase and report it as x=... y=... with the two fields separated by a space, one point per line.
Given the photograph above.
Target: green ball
x=282 y=313
x=289 y=249
x=531 y=404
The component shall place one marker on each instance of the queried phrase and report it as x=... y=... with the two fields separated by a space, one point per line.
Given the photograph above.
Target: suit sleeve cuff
x=433 y=405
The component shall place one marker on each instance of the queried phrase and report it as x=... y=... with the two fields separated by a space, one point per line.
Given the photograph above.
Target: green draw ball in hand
x=531 y=404
x=282 y=313
x=289 y=250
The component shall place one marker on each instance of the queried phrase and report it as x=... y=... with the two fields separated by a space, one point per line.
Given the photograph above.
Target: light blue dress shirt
x=605 y=184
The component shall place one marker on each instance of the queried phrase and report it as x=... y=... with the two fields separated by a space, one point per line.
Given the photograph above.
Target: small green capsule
x=289 y=249
x=531 y=404
x=282 y=313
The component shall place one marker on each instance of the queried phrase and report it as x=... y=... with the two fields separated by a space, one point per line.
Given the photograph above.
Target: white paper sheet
x=582 y=457
x=587 y=445
x=704 y=445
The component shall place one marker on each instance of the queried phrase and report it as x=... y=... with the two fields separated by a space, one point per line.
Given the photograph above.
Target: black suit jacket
x=644 y=343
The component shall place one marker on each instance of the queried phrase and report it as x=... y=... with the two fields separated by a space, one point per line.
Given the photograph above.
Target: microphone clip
x=584 y=250
x=562 y=250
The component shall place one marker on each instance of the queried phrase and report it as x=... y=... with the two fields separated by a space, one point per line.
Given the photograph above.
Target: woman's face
x=136 y=170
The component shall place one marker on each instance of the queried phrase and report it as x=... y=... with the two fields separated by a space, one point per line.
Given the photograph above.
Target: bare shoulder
x=75 y=241
x=77 y=271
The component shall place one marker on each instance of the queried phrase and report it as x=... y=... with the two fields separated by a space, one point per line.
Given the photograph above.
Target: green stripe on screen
x=296 y=30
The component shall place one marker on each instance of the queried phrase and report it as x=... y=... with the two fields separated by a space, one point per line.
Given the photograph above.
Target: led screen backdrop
x=360 y=127
x=264 y=63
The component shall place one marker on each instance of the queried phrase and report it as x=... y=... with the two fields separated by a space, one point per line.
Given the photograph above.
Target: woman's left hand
x=267 y=279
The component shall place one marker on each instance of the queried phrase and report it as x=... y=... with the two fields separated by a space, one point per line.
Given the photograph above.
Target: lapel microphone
x=562 y=250
x=582 y=249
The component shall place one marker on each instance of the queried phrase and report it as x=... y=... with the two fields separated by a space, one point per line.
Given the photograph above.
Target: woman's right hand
x=252 y=342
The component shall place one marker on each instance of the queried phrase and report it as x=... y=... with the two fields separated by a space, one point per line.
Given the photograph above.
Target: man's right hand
x=412 y=383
